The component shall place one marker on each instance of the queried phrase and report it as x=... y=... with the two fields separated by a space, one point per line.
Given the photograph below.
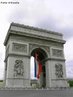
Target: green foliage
x=1 y=83
x=70 y=83
x=1 y=80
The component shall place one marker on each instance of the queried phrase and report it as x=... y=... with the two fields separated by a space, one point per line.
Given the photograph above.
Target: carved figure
x=18 y=68
x=59 y=70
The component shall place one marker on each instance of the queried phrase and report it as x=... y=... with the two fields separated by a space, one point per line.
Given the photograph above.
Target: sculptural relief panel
x=59 y=70
x=18 y=68
x=57 y=53
x=17 y=47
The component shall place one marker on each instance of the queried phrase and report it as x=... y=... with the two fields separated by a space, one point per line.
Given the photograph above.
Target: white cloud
x=68 y=49
x=69 y=69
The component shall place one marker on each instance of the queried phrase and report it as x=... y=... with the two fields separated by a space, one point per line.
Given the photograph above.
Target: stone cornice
x=33 y=35
x=57 y=79
x=14 y=54
x=35 y=28
x=55 y=59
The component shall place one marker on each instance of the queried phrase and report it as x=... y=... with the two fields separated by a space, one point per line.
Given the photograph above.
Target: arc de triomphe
x=21 y=43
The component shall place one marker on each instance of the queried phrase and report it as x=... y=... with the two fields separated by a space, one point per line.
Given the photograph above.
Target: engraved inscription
x=18 y=68
x=59 y=70
x=57 y=53
x=19 y=47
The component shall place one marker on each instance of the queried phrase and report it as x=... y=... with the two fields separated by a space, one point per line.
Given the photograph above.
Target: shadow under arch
x=42 y=56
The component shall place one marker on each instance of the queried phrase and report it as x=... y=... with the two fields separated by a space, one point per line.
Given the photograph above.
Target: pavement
x=37 y=93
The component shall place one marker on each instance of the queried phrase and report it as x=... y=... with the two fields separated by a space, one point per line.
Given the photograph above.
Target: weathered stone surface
x=21 y=43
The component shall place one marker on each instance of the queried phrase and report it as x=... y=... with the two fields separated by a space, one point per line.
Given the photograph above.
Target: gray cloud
x=48 y=23
x=69 y=69
x=39 y=14
x=52 y=24
x=68 y=32
x=16 y=16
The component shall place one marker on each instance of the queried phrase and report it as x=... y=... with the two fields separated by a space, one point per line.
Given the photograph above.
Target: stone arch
x=40 y=51
x=42 y=56
x=45 y=49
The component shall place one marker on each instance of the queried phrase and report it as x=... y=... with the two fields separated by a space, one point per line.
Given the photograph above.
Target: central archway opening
x=40 y=56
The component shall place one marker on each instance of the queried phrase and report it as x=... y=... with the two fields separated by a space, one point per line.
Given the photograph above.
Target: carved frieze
x=18 y=68
x=57 y=53
x=59 y=70
x=17 y=47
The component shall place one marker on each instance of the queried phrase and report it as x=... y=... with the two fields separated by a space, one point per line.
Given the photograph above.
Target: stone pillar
x=48 y=74
x=17 y=65
x=18 y=72
x=27 y=72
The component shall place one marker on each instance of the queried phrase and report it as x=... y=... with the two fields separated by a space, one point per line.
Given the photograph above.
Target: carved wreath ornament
x=18 y=68
x=59 y=70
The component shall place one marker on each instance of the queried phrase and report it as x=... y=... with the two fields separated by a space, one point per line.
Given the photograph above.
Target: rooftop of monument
x=35 y=28
x=36 y=32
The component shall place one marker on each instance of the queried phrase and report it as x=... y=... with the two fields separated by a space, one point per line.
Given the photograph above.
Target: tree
x=70 y=83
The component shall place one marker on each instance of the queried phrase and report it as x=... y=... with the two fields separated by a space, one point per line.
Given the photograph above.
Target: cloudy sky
x=55 y=15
